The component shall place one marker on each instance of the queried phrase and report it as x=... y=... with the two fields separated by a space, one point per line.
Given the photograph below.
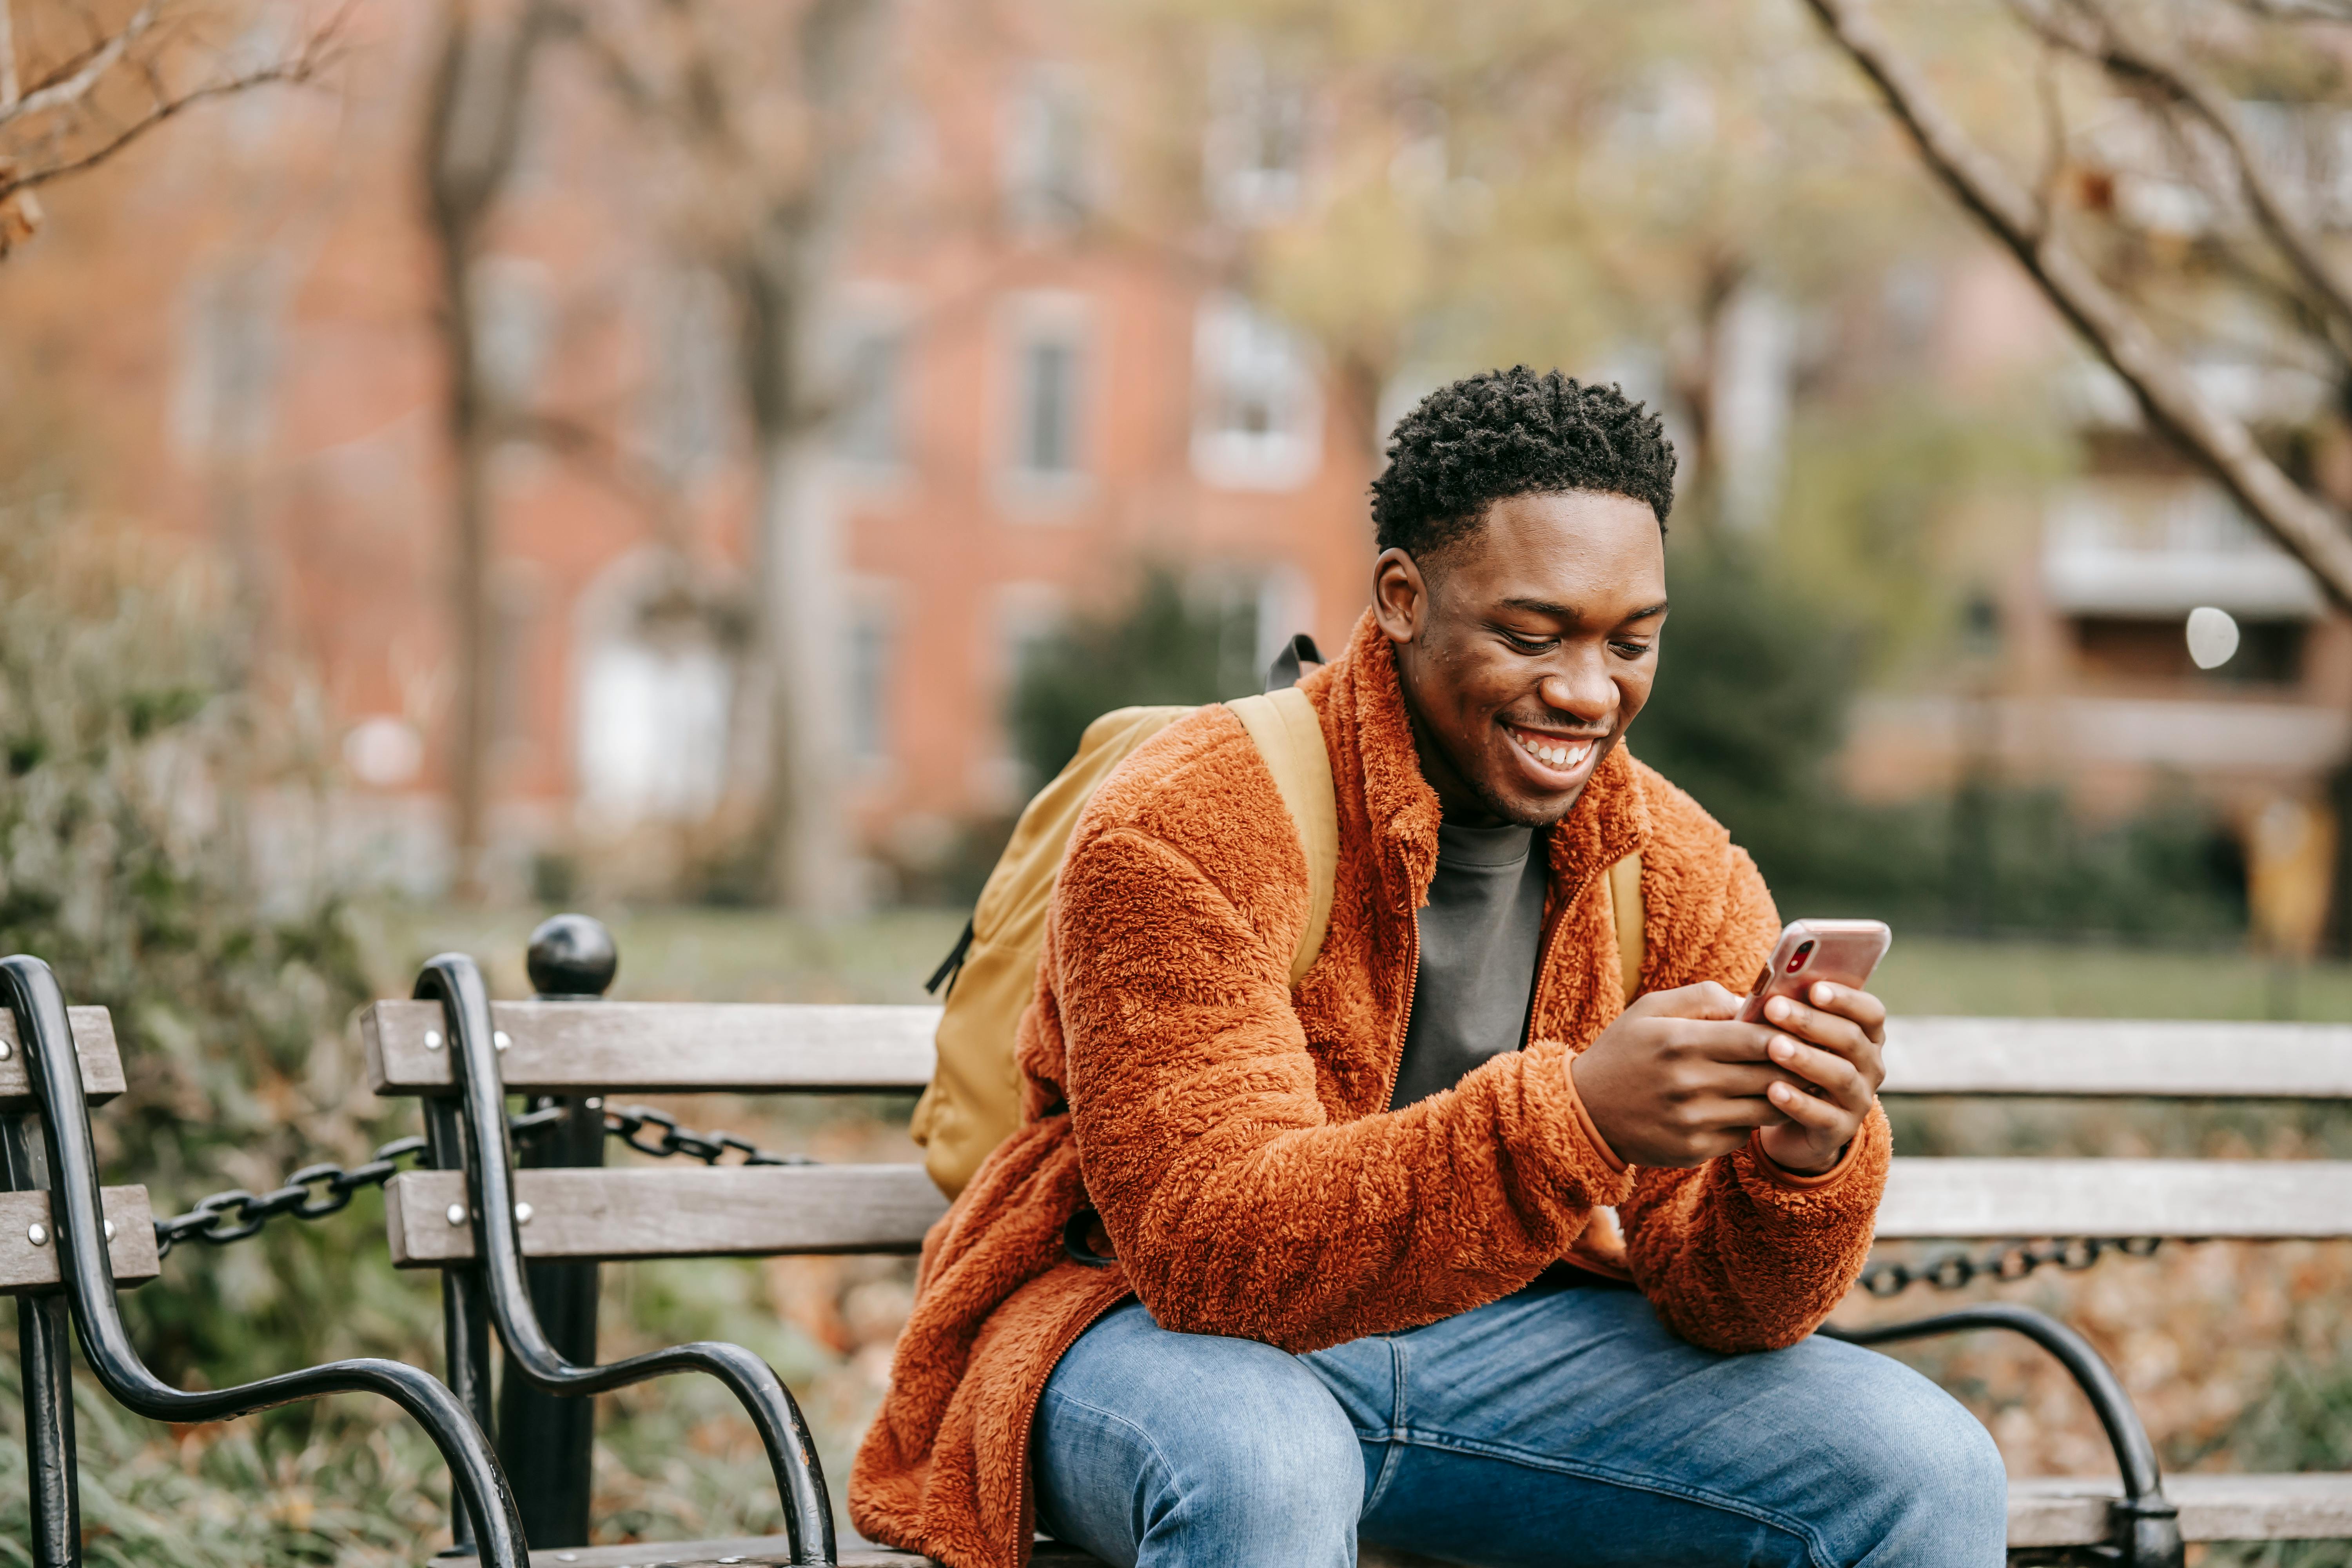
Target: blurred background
x=703 y=462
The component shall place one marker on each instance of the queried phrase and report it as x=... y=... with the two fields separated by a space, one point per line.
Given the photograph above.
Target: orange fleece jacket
x=1232 y=1130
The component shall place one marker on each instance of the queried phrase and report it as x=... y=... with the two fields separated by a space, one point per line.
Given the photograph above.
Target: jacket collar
x=1612 y=818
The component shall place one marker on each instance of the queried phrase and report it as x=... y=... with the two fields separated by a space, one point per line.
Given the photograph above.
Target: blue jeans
x=1557 y=1426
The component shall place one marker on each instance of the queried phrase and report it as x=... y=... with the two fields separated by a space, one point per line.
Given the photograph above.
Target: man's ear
x=1400 y=595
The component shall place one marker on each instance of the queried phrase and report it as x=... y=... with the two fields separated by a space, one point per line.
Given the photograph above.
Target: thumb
x=1705 y=1000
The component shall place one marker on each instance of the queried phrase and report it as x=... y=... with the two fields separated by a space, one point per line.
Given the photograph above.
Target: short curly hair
x=1505 y=433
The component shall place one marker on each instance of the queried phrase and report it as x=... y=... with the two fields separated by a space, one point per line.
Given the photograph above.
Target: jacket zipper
x=1025 y=1541
x=1543 y=968
x=1404 y=1023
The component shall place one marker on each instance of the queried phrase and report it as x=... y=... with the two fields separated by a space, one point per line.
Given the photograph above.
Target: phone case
x=1840 y=952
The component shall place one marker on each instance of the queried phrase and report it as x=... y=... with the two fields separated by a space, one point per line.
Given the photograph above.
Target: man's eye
x=1630 y=650
x=1530 y=645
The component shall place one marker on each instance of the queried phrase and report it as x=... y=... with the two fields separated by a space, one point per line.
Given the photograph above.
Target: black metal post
x=46 y=1362
x=548 y=1440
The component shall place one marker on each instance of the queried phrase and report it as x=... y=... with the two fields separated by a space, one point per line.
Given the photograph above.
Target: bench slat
x=1973 y=1199
x=698 y=1211
x=24 y=1266
x=2162 y=1058
x=2072 y=1512
x=756 y=1211
x=2055 y=1511
x=101 y=1063
x=689 y=1047
x=664 y=1048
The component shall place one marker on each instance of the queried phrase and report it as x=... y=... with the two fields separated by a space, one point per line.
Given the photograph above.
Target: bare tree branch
x=2138 y=60
x=2338 y=12
x=67 y=102
x=2308 y=529
x=74 y=88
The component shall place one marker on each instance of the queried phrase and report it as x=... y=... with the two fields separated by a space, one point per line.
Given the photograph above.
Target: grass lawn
x=744 y=955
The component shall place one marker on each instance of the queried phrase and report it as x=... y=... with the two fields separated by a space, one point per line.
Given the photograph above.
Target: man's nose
x=1582 y=691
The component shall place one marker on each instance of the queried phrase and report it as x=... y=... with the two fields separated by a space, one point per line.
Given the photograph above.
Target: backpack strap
x=1290 y=738
x=1625 y=914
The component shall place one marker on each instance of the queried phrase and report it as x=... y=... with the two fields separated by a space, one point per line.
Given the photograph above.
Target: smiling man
x=1445 y=1248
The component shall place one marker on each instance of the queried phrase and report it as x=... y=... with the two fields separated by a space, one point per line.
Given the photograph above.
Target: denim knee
x=1926 y=1480
x=1285 y=1470
x=1156 y=1449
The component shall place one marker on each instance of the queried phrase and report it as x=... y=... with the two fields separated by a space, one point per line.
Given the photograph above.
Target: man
x=1364 y=1284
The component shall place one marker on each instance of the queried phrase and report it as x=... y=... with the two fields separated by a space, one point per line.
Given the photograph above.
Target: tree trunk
x=803 y=840
x=474 y=120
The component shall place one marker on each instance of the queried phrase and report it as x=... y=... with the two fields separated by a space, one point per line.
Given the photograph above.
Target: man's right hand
x=1676 y=1082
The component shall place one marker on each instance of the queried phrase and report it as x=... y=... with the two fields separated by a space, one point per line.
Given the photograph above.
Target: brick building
x=230 y=334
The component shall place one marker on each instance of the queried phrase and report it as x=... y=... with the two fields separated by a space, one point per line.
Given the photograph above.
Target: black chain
x=314 y=1192
x=628 y=1122
x=1958 y=1270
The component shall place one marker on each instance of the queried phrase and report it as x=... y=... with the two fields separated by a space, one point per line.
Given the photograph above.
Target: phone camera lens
x=1797 y=960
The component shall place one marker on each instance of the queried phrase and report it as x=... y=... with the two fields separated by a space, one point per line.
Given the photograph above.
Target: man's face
x=1527 y=649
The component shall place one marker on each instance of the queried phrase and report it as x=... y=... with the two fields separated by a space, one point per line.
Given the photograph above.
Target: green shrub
x=1162 y=645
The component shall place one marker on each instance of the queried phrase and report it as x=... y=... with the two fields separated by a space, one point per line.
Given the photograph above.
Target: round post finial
x=571 y=955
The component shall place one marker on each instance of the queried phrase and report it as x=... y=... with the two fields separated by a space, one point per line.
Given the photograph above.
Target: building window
x=653 y=727
x=1046 y=422
x=1254 y=154
x=1045 y=151
x=690 y=398
x=1258 y=415
x=868 y=669
x=872 y=374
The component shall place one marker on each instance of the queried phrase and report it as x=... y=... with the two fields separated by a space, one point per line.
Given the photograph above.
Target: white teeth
x=1556 y=756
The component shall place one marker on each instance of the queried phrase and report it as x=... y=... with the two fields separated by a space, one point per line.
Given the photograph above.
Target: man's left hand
x=1837 y=1045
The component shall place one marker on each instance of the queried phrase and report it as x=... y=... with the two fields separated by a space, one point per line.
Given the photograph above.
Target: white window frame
x=1241 y=355
x=1027 y=321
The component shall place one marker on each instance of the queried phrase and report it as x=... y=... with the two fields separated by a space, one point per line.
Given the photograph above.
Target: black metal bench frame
x=51 y=1149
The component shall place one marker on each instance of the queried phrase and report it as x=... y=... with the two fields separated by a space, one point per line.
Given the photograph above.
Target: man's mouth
x=1560 y=757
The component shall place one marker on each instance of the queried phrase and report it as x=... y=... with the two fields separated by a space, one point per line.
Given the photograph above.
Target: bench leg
x=44 y=1349
x=41 y=1339
x=547 y=1441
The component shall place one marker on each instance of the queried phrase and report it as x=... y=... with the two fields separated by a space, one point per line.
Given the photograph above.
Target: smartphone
x=1840 y=952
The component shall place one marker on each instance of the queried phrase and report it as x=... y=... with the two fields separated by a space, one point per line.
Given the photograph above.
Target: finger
x=1842 y=1080
x=1861 y=1006
x=1728 y=1040
x=1812 y=1115
x=1831 y=1031
x=1731 y=1115
x=1706 y=1000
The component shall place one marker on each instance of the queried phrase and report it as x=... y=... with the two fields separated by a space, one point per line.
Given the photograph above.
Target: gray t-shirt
x=1481 y=936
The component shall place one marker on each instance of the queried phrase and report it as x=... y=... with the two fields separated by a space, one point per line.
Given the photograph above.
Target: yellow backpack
x=974 y=1102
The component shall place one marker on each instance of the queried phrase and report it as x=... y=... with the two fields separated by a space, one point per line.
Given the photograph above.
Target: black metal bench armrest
x=455 y=981
x=31 y=994
x=2148 y=1523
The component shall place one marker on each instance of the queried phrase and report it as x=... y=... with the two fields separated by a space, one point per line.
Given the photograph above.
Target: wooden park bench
x=518 y=1242
x=461 y=1053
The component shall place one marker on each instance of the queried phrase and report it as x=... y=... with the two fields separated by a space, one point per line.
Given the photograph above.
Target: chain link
x=629 y=1123
x=1958 y=1270
x=314 y=1192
